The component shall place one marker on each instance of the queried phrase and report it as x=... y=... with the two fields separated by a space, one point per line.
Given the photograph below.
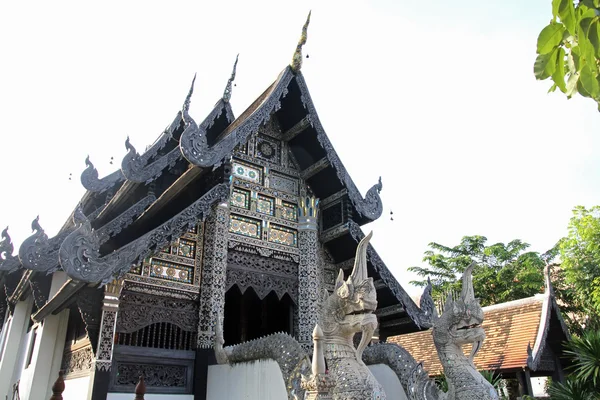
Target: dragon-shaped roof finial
x=6 y=245
x=297 y=58
x=228 y=88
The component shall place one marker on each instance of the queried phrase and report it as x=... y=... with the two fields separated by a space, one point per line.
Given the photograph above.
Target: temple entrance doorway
x=248 y=317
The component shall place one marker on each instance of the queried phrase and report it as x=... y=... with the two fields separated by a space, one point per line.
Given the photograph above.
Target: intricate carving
x=309 y=270
x=427 y=304
x=80 y=252
x=262 y=283
x=228 y=89
x=193 y=142
x=89 y=303
x=158 y=376
x=123 y=220
x=419 y=317
x=39 y=253
x=137 y=168
x=137 y=311
x=370 y=206
x=106 y=340
x=460 y=324
x=90 y=181
x=349 y=310
x=77 y=362
x=214 y=274
x=8 y=262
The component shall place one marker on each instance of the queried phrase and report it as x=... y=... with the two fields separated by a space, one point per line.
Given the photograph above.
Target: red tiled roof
x=509 y=328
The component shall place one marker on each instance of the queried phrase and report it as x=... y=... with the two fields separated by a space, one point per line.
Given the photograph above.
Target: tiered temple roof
x=158 y=195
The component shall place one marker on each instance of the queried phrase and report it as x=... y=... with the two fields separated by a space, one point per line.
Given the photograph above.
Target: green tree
x=569 y=47
x=580 y=256
x=503 y=272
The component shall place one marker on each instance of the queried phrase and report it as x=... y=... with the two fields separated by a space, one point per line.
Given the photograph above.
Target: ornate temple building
x=248 y=219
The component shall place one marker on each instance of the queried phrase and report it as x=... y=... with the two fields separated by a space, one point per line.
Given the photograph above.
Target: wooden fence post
x=59 y=387
x=140 y=389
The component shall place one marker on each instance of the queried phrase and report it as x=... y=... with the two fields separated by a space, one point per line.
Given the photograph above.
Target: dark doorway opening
x=247 y=317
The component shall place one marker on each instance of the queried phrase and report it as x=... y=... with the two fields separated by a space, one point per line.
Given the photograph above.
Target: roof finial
x=297 y=59
x=228 y=89
x=548 y=279
x=188 y=98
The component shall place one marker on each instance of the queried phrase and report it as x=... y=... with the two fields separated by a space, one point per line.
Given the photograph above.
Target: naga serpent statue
x=460 y=324
x=346 y=312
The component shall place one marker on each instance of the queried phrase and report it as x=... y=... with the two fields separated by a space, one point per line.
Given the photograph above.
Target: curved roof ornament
x=8 y=262
x=228 y=88
x=370 y=207
x=194 y=143
x=139 y=168
x=90 y=181
x=297 y=58
x=79 y=253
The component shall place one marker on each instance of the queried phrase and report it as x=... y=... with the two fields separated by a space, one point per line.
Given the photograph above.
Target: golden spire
x=297 y=59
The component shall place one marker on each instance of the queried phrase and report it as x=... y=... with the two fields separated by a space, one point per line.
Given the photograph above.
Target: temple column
x=14 y=337
x=214 y=274
x=309 y=288
x=45 y=349
x=104 y=353
x=212 y=293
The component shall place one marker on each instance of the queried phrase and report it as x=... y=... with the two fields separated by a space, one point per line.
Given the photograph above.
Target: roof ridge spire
x=297 y=58
x=188 y=99
x=228 y=88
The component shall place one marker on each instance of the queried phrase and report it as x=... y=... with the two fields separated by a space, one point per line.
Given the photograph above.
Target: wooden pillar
x=104 y=351
x=308 y=271
x=524 y=378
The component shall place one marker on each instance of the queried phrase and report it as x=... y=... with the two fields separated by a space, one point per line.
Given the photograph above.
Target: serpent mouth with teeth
x=472 y=326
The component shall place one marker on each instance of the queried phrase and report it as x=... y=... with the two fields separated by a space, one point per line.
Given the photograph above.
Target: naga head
x=350 y=308
x=462 y=318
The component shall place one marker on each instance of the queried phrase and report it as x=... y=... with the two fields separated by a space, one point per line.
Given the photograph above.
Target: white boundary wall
x=389 y=380
x=258 y=380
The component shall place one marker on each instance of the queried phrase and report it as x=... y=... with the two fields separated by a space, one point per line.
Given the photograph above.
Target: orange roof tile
x=509 y=328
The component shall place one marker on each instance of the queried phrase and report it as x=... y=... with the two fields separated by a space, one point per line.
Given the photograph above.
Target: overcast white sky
x=437 y=97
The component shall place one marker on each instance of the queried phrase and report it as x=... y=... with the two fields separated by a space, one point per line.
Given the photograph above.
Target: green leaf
x=555 y=5
x=559 y=73
x=581 y=90
x=572 y=84
x=589 y=3
x=550 y=37
x=589 y=81
x=544 y=66
x=566 y=13
x=593 y=35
